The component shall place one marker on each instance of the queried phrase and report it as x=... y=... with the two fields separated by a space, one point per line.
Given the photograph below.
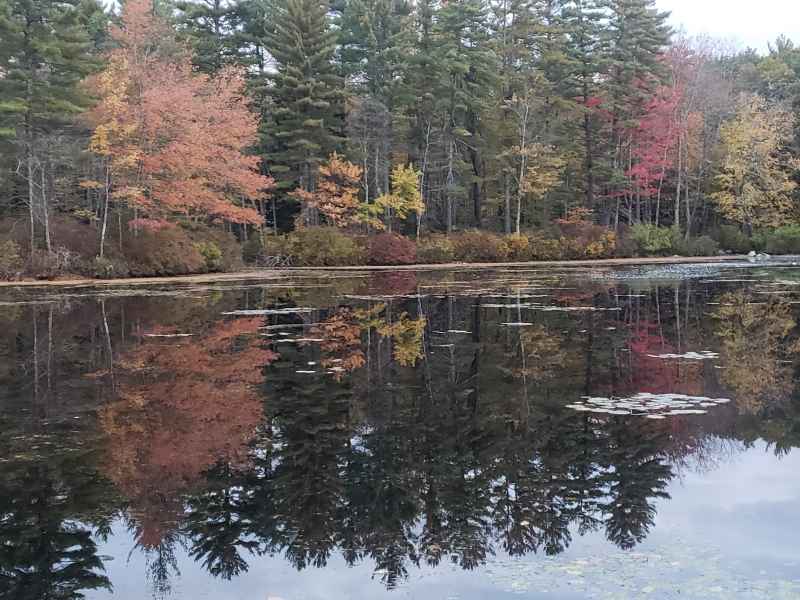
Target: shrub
x=168 y=251
x=651 y=239
x=81 y=238
x=391 y=249
x=784 y=240
x=519 y=247
x=626 y=247
x=252 y=249
x=230 y=250
x=581 y=238
x=49 y=265
x=108 y=268
x=212 y=255
x=699 y=246
x=11 y=263
x=733 y=239
x=604 y=246
x=479 y=246
x=435 y=249
x=542 y=248
x=759 y=240
x=317 y=247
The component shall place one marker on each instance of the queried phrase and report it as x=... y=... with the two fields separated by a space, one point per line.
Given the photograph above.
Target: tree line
x=509 y=116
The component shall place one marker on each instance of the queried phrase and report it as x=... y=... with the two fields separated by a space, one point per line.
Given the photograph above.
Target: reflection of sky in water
x=728 y=532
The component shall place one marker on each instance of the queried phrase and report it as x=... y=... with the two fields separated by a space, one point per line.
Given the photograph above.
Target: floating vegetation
x=653 y=406
x=168 y=335
x=271 y=311
x=680 y=569
x=575 y=309
x=702 y=355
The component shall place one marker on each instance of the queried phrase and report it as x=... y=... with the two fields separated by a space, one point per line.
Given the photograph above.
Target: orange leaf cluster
x=183 y=404
x=176 y=139
x=336 y=195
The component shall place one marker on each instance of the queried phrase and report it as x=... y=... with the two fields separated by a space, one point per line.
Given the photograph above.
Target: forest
x=169 y=137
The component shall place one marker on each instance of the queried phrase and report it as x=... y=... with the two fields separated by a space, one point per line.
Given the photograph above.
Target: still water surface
x=518 y=433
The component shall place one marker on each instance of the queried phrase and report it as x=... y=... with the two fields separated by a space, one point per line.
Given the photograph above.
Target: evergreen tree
x=637 y=37
x=306 y=111
x=376 y=42
x=211 y=26
x=586 y=55
x=466 y=67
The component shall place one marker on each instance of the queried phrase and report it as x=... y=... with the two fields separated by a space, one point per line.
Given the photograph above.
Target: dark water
x=466 y=435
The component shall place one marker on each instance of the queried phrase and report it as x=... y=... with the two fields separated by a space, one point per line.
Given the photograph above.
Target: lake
x=470 y=434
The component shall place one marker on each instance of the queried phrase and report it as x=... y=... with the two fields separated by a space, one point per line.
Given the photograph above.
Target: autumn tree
x=755 y=182
x=336 y=196
x=755 y=339
x=541 y=169
x=174 y=140
x=404 y=199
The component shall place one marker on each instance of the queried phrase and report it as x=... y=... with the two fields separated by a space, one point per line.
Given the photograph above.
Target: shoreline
x=273 y=274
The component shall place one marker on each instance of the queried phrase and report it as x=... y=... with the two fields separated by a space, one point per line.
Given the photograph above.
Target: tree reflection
x=51 y=510
x=755 y=347
x=184 y=406
x=393 y=430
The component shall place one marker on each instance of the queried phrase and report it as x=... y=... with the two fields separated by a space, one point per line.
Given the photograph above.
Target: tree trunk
x=106 y=203
x=45 y=208
x=507 y=197
x=589 y=145
x=678 y=185
x=31 y=196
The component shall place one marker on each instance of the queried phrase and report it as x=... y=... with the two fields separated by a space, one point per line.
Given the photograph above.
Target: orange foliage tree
x=172 y=141
x=336 y=196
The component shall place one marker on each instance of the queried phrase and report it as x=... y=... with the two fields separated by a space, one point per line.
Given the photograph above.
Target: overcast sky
x=749 y=22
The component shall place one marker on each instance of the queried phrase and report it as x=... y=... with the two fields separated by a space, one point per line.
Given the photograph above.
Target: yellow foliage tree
x=404 y=200
x=407 y=334
x=543 y=170
x=754 y=185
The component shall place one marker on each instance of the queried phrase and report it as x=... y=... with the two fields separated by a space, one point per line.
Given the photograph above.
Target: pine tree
x=637 y=37
x=585 y=53
x=466 y=67
x=45 y=51
x=306 y=97
x=211 y=27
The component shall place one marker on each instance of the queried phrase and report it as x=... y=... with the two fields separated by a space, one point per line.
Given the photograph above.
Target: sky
x=750 y=23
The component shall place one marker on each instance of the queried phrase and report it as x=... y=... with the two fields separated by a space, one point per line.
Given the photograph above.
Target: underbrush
x=316 y=247
x=175 y=250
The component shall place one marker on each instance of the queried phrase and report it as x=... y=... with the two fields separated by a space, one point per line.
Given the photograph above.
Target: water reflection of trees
x=428 y=431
